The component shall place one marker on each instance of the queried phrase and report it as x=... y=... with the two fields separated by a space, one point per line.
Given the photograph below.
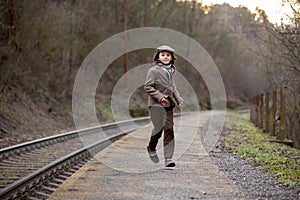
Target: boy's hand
x=181 y=103
x=164 y=101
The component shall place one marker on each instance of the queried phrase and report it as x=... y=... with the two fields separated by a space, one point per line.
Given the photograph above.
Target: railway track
x=33 y=170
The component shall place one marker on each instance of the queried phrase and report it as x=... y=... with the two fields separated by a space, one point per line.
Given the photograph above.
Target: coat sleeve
x=149 y=86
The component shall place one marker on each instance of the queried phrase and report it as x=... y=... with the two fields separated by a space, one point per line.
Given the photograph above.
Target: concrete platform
x=124 y=170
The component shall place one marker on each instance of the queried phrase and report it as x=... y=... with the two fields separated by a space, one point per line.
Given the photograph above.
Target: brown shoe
x=169 y=163
x=153 y=156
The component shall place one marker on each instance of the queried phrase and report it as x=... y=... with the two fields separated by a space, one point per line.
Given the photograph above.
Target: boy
x=163 y=96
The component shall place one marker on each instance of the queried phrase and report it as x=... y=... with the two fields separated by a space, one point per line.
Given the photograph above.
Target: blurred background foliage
x=43 y=43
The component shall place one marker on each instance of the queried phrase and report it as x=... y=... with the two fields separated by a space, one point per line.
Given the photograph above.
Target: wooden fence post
x=256 y=109
x=267 y=116
x=261 y=106
x=252 y=110
x=297 y=124
x=281 y=134
x=274 y=107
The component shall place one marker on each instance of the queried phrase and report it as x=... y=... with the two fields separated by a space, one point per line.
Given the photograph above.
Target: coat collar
x=158 y=65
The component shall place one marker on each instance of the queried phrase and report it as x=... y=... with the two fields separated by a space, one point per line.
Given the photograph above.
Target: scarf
x=169 y=69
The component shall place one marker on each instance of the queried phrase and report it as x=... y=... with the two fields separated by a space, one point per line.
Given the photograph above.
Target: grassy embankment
x=246 y=141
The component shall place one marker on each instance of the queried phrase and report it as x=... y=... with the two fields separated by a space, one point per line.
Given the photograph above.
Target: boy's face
x=165 y=57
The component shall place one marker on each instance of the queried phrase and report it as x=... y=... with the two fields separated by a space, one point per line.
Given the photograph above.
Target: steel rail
x=27 y=146
x=23 y=186
x=27 y=183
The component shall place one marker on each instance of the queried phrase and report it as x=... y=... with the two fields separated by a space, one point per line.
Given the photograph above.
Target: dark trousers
x=162 y=119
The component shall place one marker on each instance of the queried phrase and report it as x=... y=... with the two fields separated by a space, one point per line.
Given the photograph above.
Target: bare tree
x=283 y=60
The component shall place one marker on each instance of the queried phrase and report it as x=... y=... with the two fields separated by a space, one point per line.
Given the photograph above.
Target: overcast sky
x=273 y=8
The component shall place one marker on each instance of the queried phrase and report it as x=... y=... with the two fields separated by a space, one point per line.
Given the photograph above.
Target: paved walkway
x=124 y=171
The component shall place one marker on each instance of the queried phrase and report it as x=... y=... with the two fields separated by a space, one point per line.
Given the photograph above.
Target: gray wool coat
x=157 y=85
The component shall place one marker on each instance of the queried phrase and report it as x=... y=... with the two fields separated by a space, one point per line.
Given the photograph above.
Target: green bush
x=138 y=111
